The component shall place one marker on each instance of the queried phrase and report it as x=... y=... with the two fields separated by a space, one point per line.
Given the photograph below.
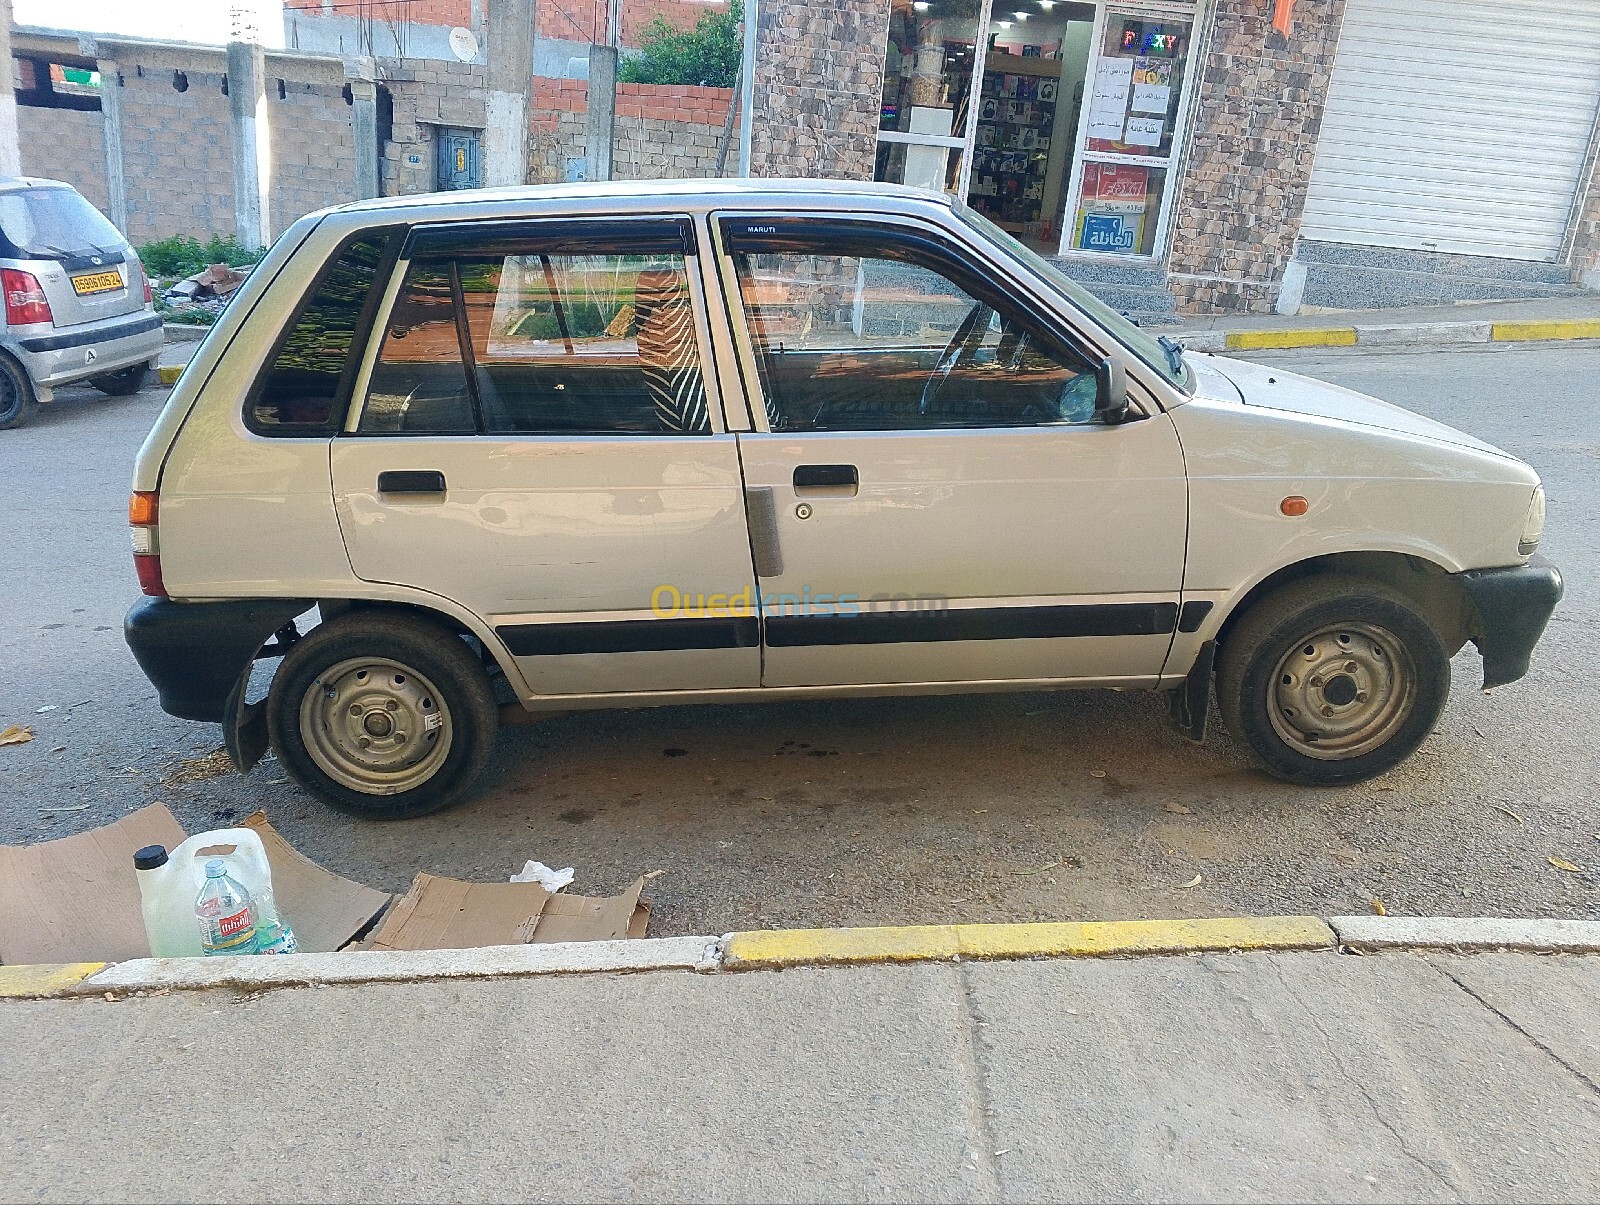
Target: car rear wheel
x=1332 y=680
x=17 y=402
x=382 y=716
x=125 y=382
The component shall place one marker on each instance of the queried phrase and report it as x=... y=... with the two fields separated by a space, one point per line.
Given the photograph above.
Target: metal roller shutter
x=1457 y=125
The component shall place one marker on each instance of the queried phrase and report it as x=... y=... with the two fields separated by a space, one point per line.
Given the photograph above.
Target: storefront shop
x=1067 y=129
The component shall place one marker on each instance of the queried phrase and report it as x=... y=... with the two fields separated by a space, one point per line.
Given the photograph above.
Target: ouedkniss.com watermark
x=669 y=602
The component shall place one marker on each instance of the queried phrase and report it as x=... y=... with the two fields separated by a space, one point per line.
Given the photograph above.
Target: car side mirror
x=1111 y=391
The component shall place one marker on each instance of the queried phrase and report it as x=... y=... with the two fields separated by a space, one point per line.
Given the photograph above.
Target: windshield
x=48 y=223
x=1160 y=354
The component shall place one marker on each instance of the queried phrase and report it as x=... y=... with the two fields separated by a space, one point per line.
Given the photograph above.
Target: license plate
x=96 y=282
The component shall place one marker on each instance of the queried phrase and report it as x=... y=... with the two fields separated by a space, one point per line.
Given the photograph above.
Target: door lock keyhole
x=803 y=511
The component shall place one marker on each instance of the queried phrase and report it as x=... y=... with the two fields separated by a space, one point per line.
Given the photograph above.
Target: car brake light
x=25 y=300
x=142 y=515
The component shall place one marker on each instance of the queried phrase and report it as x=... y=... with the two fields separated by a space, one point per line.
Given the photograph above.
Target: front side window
x=889 y=341
x=301 y=392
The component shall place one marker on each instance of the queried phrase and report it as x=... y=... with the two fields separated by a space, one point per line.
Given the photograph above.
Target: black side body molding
x=1513 y=605
x=195 y=653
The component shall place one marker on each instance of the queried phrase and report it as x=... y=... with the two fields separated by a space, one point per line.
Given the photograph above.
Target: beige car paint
x=245 y=516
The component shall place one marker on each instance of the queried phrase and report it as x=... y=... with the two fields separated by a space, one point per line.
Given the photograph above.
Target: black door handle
x=826 y=476
x=411 y=481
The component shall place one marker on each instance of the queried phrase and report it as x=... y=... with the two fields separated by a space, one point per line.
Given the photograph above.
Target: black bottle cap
x=150 y=857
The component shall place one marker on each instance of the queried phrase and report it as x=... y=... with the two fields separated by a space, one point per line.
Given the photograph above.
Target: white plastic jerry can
x=170 y=882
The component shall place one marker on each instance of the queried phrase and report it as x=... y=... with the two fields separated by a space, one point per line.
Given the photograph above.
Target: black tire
x=125 y=382
x=362 y=680
x=1310 y=715
x=17 y=402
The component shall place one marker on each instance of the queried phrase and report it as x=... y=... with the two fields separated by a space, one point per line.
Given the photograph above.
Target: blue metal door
x=457 y=165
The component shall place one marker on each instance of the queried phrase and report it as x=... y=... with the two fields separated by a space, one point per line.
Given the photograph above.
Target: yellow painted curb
x=1344 y=336
x=169 y=373
x=1570 y=328
x=45 y=979
x=772 y=949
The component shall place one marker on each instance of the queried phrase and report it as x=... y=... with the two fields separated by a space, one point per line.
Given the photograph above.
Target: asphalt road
x=978 y=808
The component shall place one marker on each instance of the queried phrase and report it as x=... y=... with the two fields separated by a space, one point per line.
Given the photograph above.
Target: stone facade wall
x=65 y=144
x=313 y=147
x=1584 y=253
x=1257 y=118
x=819 y=87
x=176 y=146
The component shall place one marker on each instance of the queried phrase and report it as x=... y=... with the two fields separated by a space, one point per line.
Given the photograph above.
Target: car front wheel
x=1332 y=680
x=382 y=716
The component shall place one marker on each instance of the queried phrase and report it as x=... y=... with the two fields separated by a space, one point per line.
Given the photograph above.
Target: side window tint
x=301 y=390
x=873 y=343
x=584 y=344
x=419 y=384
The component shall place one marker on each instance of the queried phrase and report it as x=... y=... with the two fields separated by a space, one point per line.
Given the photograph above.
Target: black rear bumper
x=1513 y=605
x=193 y=653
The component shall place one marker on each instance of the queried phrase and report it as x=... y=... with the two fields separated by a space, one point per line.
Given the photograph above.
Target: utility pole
x=505 y=140
x=603 y=96
x=10 y=147
x=747 y=88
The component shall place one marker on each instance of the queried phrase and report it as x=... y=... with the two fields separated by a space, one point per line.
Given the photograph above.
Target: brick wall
x=569 y=20
x=65 y=144
x=662 y=132
x=176 y=147
x=1257 y=118
x=819 y=87
x=313 y=147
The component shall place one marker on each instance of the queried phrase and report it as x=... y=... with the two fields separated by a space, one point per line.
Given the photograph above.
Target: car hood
x=1225 y=379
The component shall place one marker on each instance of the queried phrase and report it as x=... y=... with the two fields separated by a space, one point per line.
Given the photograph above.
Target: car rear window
x=55 y=223
x=305 y=390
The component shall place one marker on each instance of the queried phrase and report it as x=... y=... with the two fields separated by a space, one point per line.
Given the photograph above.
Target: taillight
x=142 y=515
x=25 y=300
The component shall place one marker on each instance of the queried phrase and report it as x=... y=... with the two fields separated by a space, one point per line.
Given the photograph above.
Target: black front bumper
x=194 y=653
x=1512 y=607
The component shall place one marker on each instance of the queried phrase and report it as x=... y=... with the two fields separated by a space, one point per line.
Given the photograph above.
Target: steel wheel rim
x=10 y=397
x=375 y=725
x=1342 y=691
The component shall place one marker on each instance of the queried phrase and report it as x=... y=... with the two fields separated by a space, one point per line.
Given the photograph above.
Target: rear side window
x=419 y=384
x=304 y=390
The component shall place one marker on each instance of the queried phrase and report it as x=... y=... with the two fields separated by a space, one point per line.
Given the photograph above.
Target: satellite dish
x=464 y=44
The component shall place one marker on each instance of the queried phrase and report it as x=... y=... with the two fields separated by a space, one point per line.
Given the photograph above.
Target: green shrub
x=181 y=255
x=707 y=55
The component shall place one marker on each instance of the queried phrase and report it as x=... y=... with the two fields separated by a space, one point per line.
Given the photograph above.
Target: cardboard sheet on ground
x=76 y=899
x=448 y=914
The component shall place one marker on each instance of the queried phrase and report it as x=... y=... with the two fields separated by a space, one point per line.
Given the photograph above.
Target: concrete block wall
x=313 y=147
x=177 y=162
x=428 y=93
x=65 y=144
x=663 y=131
x=1254 y=136
x=819 y=87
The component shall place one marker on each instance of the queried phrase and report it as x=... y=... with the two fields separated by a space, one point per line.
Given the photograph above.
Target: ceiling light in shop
x=920 y=5
x=1047 y=5
x=1020 y=16
x=1003 y=24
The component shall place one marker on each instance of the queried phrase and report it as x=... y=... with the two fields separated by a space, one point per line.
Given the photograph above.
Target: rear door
x=931 y=498
x=79 y=258
x=537 y=441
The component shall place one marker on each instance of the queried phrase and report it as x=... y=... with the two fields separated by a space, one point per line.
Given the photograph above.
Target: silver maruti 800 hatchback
x=612 y=445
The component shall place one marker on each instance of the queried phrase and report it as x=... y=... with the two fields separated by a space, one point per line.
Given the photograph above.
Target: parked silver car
x=78 y=304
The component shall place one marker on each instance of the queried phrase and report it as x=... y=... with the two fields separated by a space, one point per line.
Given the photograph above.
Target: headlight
x=1533 y=525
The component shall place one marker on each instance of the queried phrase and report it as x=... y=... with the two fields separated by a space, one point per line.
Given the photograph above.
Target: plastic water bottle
x=226 y=913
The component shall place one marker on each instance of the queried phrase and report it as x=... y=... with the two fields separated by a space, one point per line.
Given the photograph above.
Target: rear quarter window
x=306 y=386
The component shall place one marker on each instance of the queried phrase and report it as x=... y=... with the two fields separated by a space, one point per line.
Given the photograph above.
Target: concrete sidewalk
x=1249 y=1076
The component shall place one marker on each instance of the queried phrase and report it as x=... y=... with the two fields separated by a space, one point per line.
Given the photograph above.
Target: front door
x=934 y=501
x=536 y=441
x=457 y=164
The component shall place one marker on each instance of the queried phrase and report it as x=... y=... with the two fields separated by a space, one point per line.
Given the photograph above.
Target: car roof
x=706 y=193
x=17 y=183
